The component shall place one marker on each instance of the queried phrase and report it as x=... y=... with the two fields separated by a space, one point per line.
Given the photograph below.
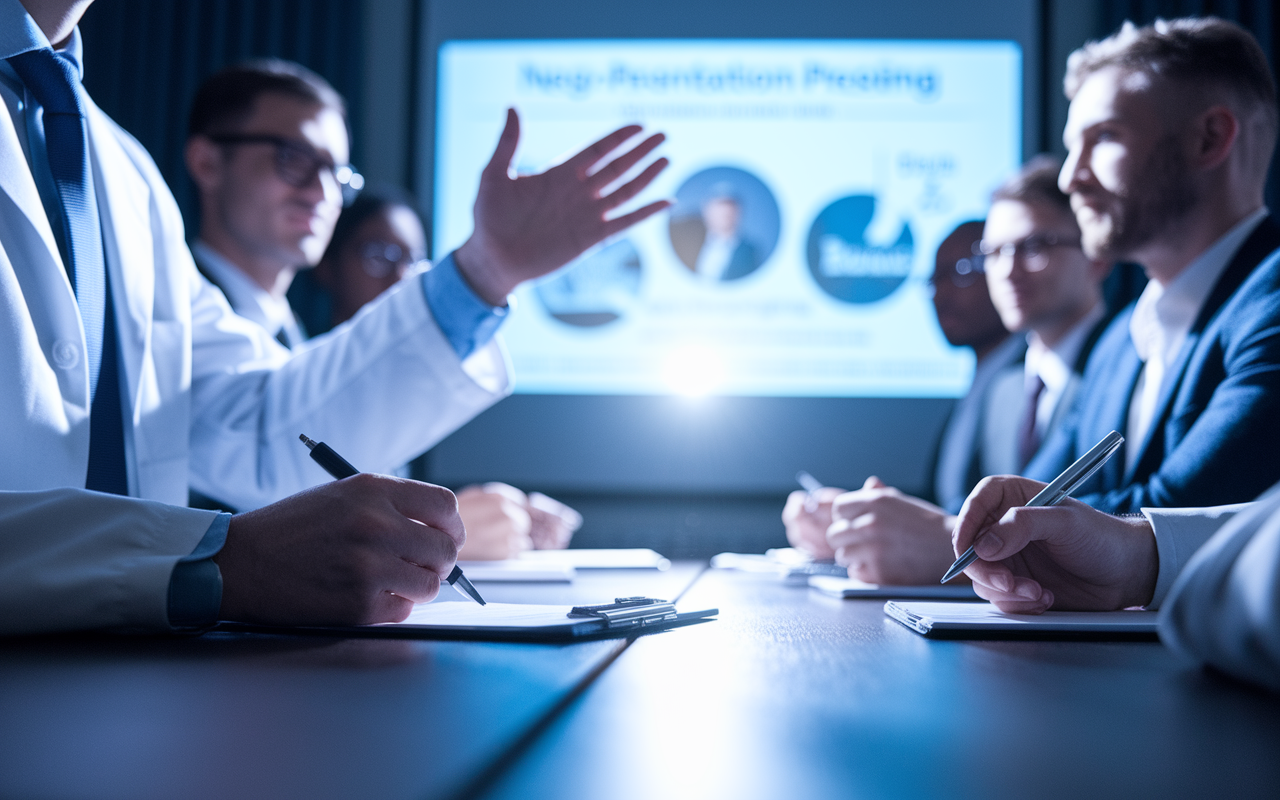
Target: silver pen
x=1054 y=493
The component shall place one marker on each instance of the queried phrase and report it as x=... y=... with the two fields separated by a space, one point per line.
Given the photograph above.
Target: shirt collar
x=1054 y=365
x=245 y=296
x=19 y=33
x=1165 y=314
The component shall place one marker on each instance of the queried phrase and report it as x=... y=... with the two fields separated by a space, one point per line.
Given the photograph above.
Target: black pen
x=1056 y=492
x=340 y=468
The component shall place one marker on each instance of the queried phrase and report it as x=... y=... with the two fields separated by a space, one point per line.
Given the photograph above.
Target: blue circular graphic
x=848 y=267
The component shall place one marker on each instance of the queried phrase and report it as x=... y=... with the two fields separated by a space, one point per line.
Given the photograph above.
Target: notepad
x=516 y=571
x=985 y=621
x=586 y=558
x=784 y=563
x=853 y=589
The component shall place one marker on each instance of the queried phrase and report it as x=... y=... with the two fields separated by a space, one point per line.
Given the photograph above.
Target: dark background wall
x=144 y=59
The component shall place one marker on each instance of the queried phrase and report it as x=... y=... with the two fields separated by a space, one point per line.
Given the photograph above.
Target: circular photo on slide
x=594 y=289
x=724 y=224
x=847 y=266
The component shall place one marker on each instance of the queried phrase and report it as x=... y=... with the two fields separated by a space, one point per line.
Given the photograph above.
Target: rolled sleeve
x=195 y=588
x=467 y=321
x=1179 y=533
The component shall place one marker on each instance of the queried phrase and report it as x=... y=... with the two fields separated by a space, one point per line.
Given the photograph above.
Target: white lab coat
x=213 y=402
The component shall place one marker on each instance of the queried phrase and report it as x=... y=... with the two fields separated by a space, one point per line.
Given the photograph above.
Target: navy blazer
x=1215 y=436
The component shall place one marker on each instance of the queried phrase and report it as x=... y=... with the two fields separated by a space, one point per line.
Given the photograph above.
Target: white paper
x=492 y=615
x=624 y=558
x=515 y=570
x=984 y=616
x=853 y=588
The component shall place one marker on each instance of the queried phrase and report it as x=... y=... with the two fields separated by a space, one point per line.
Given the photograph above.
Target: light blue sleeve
x=195 y=587
x=467 y=321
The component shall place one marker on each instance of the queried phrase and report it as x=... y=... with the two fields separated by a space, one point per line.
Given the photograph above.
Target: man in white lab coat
x=205 y=397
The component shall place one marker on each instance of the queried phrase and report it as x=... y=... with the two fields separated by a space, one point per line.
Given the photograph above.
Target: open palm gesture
x=529 y=225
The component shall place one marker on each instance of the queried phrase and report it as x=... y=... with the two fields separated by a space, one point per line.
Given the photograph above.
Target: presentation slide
x=812 y=182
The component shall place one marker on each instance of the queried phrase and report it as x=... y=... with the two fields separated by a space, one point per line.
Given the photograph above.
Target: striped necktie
x=54 y=82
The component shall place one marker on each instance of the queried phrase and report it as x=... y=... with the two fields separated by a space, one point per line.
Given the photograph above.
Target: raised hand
x=529 y=225
x=360 y=550
x=1066 y=557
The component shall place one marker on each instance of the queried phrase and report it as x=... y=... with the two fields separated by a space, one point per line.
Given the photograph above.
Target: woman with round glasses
x=377 y=241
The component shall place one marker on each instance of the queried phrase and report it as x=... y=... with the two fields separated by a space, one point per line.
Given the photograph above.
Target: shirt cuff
x=1179 y=534
x=195 y=587
x=467 y=321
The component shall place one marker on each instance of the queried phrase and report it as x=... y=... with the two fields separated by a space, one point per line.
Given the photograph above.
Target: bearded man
x=1170 y=134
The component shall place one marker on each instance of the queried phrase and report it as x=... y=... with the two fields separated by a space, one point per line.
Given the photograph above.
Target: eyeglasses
x=298 y=163
x=965 y=272
x=1034 y=251
x=380 y=259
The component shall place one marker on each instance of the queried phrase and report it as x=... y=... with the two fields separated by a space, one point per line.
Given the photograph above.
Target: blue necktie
x=55 y=83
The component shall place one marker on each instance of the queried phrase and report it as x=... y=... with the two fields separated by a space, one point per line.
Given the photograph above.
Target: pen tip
x=311 y=443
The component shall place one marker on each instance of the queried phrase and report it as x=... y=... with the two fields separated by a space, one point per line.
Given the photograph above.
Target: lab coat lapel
x=124 y=206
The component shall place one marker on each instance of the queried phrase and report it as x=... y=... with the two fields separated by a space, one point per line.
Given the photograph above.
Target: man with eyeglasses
x=125 y=376
x=264 y=141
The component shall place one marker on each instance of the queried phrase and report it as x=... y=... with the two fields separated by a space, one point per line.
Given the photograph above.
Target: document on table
x=784 y=563
x=585 y=558
x=983 y=620
x=516 y=571
x=852 y=589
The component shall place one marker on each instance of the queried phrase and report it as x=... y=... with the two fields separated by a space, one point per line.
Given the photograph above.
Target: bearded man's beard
x=1162 y=194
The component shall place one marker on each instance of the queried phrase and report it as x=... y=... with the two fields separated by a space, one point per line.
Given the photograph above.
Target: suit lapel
x=1264 y=239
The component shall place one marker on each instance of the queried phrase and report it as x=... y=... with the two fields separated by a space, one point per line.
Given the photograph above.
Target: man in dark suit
x=1171 y=131
x=711 y=244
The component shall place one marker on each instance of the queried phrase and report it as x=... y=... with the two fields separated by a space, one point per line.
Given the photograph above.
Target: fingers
x=987 y=503
x=633 y=187
x=619 y=224
x=618 y=167
x=581 y=162
x=1025 y=597
x=433 y=506
x=874 y=483
x=500 y=164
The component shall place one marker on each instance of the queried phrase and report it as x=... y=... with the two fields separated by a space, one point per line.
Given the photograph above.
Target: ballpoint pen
x=340 y=468
x=1054 y=493
x=811 y=486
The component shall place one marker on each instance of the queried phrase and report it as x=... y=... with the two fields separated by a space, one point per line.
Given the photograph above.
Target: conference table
x=787 y=694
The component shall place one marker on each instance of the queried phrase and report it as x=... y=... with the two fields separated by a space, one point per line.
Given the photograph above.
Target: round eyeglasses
x=964 y=273
x=380 y=259
x=1034 y=251
x=297 y=163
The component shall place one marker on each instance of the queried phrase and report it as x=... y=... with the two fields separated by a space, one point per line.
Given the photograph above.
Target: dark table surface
x=244 y=715
x=789 y=694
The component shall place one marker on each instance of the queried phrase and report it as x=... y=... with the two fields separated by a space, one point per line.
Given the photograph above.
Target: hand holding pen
x=339 y=468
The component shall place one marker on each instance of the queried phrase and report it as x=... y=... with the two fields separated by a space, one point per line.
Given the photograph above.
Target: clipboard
x=985 y=621
x=511 y=622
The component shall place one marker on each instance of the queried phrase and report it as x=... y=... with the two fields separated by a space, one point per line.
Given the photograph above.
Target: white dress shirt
x=1162 y=319
x=247 y=298
x=1055 y=365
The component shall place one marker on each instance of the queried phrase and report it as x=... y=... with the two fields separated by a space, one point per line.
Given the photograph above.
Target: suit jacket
x=1005 y=405
x=1216 y=431
x=957 y=460
x=211 y=400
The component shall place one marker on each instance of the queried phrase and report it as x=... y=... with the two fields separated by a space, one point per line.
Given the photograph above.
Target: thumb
x=500 y=164
x=874 y=483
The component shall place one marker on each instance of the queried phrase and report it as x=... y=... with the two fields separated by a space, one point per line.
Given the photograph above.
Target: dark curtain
x=145 y=58
x=1257 y=16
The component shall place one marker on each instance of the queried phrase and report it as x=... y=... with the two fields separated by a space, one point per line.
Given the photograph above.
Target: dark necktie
x=1028 y=438
x=54 y=82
